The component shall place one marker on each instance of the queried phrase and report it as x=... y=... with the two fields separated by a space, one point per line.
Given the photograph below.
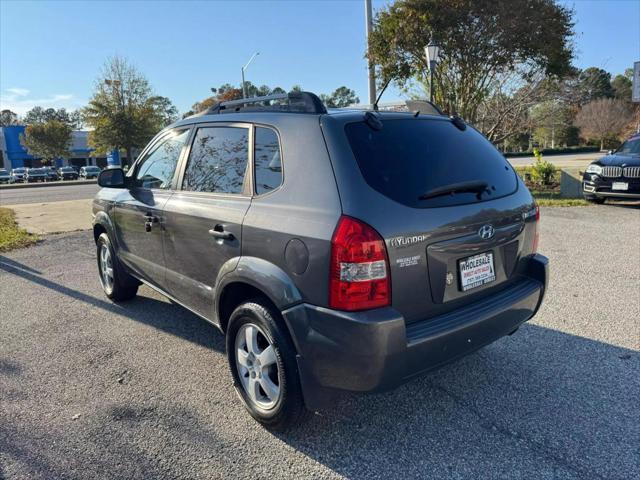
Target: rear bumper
x=375 y=350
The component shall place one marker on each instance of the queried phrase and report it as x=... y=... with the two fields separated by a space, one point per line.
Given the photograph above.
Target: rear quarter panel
x=298 y=218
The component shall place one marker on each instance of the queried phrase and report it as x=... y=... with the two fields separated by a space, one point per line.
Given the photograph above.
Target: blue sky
x=51 y=52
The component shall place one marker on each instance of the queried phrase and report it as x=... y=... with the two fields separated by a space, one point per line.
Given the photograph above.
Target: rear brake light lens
x=359 y=278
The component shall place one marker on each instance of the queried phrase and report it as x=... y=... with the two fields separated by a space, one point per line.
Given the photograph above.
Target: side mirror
x=111 y=178
x=610 y=152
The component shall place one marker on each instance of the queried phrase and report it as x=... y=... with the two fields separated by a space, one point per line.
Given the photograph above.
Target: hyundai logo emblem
x=486 y=232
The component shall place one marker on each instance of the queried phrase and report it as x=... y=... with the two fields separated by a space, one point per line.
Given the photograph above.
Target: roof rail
x=422 y=106
x=297 y=102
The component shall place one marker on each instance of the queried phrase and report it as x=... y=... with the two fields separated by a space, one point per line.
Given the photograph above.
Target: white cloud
x=19 y=101
x=19 y=92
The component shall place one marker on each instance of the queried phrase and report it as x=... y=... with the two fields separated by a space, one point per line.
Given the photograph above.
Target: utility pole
x=244 y=88
x=368 y=12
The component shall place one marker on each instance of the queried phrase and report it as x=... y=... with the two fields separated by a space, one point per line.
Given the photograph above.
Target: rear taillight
x=536 y=230
x=359 y=278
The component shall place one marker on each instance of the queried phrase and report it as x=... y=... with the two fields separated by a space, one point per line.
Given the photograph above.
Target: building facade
x=14 y=155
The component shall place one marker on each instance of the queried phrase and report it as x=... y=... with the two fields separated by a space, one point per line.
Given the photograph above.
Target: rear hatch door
x=447 y=247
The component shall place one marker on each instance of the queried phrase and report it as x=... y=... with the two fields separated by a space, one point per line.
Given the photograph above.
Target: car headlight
x=593 y=168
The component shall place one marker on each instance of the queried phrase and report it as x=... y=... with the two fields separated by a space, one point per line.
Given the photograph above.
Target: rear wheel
x=263 y=364
x=117 y=284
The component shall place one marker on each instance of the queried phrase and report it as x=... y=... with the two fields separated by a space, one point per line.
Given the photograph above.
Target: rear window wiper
x=474 y=186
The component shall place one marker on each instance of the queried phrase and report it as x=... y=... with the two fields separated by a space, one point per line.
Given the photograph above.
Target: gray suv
x=343 y=250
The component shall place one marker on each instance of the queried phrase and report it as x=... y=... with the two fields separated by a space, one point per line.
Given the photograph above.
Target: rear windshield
x=408 y=158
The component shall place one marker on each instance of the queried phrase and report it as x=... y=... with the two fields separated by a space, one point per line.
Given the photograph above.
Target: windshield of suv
x=67 y=169
x=409 y=159
x=630 y=147
x=91 y=169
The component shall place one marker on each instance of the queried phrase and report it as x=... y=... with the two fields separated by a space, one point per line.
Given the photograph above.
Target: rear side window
x=410 y=157
x=268 y=164
x=218 y=160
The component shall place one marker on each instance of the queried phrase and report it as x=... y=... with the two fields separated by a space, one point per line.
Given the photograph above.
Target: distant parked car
x=5 y=176
x=89 y=171
x=51 y=174
x=36 y=175
x=18 y=174
x=616 y=175
x=67 y=173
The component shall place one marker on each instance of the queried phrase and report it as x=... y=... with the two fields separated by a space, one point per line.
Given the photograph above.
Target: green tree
x=591 y=84
x=124 y=112
x=551 y=121
x=8 y=118
x=341 y=97
x=621 y=85
x=41 y=115
x=481 y=42
x=48 y=140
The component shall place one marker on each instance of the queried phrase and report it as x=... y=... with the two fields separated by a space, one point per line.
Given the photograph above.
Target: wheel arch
x=253 y=277
x=102 y=224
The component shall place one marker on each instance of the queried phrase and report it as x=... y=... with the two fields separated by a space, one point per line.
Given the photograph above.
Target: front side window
x=268 y=164
x=157 y=168
x=218 y=160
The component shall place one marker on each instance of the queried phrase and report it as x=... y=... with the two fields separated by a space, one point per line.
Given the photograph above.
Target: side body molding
x=261 y=274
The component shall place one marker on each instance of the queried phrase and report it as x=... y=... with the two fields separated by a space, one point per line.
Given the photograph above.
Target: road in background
x=569 y=160
x=13 y=196
x=141 y=389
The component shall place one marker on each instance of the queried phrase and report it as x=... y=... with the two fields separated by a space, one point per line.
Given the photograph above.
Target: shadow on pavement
x=167 y=317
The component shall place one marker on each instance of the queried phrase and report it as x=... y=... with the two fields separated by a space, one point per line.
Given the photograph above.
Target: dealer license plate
x=620 y=186
x=476 y=271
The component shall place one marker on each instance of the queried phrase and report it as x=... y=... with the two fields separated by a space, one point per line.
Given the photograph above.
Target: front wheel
x=263 y=364
x=117 y=284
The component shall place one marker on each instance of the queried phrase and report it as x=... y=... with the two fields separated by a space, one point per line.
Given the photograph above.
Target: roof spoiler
x=297 y=102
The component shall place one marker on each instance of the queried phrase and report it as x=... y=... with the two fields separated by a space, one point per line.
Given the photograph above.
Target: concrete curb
x=46 y=184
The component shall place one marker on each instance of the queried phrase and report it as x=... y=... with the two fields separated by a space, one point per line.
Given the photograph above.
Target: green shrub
x=542 y=171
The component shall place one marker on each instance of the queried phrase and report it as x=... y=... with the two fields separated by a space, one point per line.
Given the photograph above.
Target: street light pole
x=244 y=88
x=432 y=51
x=368 y=13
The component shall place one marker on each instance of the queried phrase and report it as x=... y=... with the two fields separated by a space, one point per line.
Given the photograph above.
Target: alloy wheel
x=257 y=366
x=106 y=268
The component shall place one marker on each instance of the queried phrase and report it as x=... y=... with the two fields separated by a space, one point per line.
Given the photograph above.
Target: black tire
x=122 y=286
x=289 y=408
x=596 y=200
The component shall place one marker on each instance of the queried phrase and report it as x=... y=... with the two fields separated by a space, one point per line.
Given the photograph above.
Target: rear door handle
x=219 y=232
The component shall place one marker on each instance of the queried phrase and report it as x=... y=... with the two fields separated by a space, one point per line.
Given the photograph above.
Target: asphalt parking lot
x=91 y=389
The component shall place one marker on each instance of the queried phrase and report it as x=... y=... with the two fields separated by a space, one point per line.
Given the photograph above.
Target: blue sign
x=113 y=158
